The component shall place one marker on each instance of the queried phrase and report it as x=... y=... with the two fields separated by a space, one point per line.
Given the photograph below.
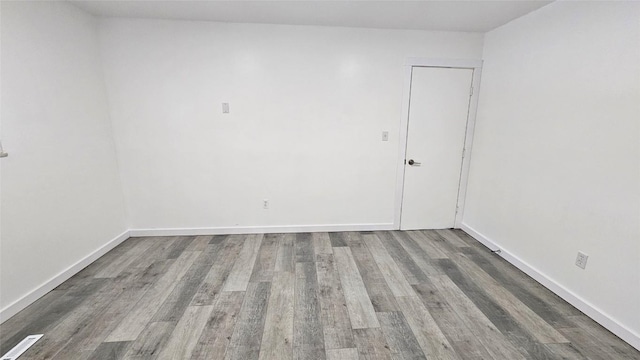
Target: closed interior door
x=438 y=112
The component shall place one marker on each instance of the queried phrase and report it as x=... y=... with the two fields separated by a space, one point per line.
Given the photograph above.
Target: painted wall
x=308 y=106
x=555 y=166
x=61 y=192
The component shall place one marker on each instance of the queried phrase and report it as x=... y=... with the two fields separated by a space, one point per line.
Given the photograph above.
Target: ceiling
x=472 y=16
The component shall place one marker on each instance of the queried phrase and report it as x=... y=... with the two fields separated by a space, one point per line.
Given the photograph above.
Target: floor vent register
x=23 y=346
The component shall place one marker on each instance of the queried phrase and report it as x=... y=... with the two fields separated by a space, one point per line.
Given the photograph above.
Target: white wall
x=308 y=106
x=556 y=158
x=61 y=193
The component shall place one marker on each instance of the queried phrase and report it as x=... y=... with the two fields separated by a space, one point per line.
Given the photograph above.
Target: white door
x=438 y=112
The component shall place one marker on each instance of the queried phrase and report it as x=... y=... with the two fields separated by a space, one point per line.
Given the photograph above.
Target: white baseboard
x=52 y=283
x=581 y=304
x=259 y=229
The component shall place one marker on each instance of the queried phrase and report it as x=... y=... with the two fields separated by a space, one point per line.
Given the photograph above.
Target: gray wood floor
x=356 y=295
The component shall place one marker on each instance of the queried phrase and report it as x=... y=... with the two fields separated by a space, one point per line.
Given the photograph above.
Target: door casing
x=476 y=66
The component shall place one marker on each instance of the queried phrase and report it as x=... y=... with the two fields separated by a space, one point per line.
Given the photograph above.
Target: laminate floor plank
x=103 y=323
x=144 y=310
x=241 y=272
x=419 y=256
x=266 y=260
x=434 y=294
x=400 y=338
x=184 y=291
x=216 y=334
x=247 y=334
x=181 y=244
x=546 y=311
x=113 y=269
x=379 y=292
x=454 y=327
x=308 y=337
x=218 y=239
x=110 y=351
x=409 y=268
x=565 y=351
x=321 y=243
x=342 y=354
x=336 y=325
x=304 y=248
x=185 y=334
x=361 y=312
x=432 y=340
x=441 y=242
x=491 y=338
x=285 y=258
x=337 y=239
x=200 y=243
x=215 y=279
x=277 y=338
x=390 y=271
x=151 y=341
x=427 y=244
x=371 y=344
x=517 y=334
x=451 y=237
x=159 y=251
x=540 y=329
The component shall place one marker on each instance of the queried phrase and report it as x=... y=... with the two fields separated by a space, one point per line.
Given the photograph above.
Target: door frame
x=409 y=64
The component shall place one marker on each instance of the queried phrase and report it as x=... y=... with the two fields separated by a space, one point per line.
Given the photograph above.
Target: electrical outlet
x=385 y=136
x=581 y=260
x=265 y=204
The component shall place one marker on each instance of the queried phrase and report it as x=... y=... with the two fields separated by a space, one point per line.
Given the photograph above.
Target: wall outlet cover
x=581 y=260
x=385 y=136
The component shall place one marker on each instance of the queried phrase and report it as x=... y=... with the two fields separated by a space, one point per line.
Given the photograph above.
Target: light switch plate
x=225 y=108
x=385 y=136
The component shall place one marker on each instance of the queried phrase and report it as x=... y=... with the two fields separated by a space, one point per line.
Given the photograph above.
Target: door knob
x=413 y=163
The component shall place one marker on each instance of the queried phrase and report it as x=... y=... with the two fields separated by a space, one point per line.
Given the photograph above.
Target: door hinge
x=471 y=91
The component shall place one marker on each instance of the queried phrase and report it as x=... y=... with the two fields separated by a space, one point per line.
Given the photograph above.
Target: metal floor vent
x=23 y=346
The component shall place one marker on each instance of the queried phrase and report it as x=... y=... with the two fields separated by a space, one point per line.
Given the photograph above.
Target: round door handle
x=411 y=162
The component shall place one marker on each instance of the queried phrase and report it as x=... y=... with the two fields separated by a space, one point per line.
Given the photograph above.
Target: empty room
x=331 y=180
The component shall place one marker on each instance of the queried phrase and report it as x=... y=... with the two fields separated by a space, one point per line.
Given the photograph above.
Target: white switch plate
x=265 y=204
x=225 y=108
x=581 y=260
x=385 y=136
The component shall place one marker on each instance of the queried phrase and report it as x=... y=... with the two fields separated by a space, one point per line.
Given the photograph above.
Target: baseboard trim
x=260 y=229
x=58 y=279
x=581 y=304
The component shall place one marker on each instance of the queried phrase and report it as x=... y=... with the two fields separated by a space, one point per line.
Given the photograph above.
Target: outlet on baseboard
x=581 y=260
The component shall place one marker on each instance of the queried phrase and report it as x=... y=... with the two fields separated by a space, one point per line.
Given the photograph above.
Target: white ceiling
x=474 y=16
